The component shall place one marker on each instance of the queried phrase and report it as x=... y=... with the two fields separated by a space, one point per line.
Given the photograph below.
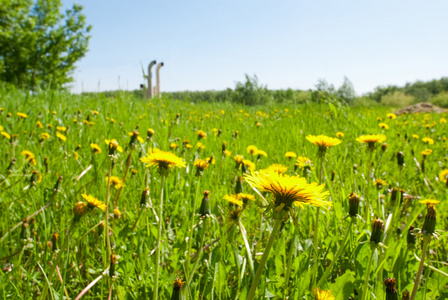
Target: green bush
x=440 y=99
x=397 y=99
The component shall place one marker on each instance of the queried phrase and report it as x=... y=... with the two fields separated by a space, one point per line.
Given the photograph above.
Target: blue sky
x=288 y=44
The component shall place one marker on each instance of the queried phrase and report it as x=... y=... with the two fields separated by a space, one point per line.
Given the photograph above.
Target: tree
x=39 y=45
x=251 y=92
x=346 y=91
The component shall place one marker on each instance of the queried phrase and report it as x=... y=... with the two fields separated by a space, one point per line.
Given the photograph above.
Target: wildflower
x=428 y=140
x=61 y=136
x=173 y=146
x=261 y=153
x=239 y=160
x=248 y=165
x=288 y=189
x=117 y=213
x=391 y=116
x=322 y=295
x=353 y=201
x=92 y=202
x=405 y=295
x=377 y=230
x=113 y=146
x=22 y=115
x=6 y=135
x=79 y=210
x=61 y=128
x=303 y=161
x=164 y=161
x=135 y=137
x=115 y=181
x=145 y=197
x=371 y=139
x=235 y=214
x=379 y=119
x=36 y=177
x=379 y=183
x=44 y=136
x=443 y=176
x=39 y=124
x=391 y=292
x=442 y=120
x=290 y=154
x=245 y=197
x=383 y=147
x=426 y=152
x=383 y=126
x=251 y=149
x=95 y=112
x=339 y=134
x=280 y=169
x=189 y=146
x=201 y=165
x=323 y=142
x=95 y=148
x=235 y=134
x=29 y=157
x=200 y=146
x=201 y=134
x=400 y=158
x=227 y=153
x=429 y=201
x=258 y=124
x=415 y=136
x=233 y=199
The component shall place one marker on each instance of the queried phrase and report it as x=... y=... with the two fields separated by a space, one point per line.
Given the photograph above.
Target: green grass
x=29 y=266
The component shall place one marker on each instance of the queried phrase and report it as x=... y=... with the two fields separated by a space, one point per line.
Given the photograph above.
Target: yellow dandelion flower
x=211 y=160
x=322 y=141
x=443 y=175
x=22 y=115
x=251 y=149
x=76 y=155
x=379 y=119
x=323 y=295
x=303 y=161
x=29 y=157
x=426 y=152
x=95 y=148
x=290 y=154
x=371 y=139
x=39 y=124
x=428 y=140
x=200 y=146
x=415 y=136
x=79 y=210
x=289 y=189
x=391 y=116
x=6 y=135
x=92 y=202
x=227 y=153
x=383 y=125
x=113 y=145
x=261 y=153
x=339 y=134
x=173 y=146
x=249 y=165
x=258 y=124
x=164 y=161
x=442 y=121
x=379 y=183
x=245 y=197
x=188 y=146
x=201 y=164
x=280 y=169
x=95 y=112
x=115 y=181
x=429 y=201
x=201 y=134
x=61 y=128
x=233 y=199
x=61 y=136
x=45 y=136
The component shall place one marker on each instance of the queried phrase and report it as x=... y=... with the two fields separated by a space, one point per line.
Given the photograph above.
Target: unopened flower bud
x=353 y=201
x=405 y=295
x=429 y=225
x=113 y=261
x=239 y=185
x=177 y=289
x=79 y=210
x=411 y=239
x=54 y=241
x=391 y=292
x=384 y=147
x=400 y=159
x=145 y=197
x=377 y=230
x=205 y=205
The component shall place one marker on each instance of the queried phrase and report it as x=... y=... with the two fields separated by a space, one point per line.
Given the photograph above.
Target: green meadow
x=54 y=244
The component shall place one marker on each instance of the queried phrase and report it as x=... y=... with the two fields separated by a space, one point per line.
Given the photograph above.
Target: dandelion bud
x=46 y=164
x=391 y=292
x=393 y=196
x=235 y=134
x=79 y=210
x=224 y=146
x=113 y=146
x=219 y=132
x=145 y=197
x=377 y=230
x=239 y=185
x=177 y=289
x=113 y=261
x=57 y=185
x=353 y=201
x=355 y=167
x=400 y=159
x=11 y=166
x=430 y=220
x=34 y=177
x=25 y=230
x=423 y=165
x=333 y=173
x=100 y=228
x=134 y=138
x=405 y=295
x=384 y=147
x=411 y=239
x=205 y=205
x=149 y=133
x=54 y=241
x=117 y=213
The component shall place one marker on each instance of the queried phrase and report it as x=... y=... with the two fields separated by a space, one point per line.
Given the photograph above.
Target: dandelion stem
x=204 y=228
x=369 y=169
x=335 y=258
x=426 y=239
x=190 y=234
x=366 y=279
x=316 y=224
x=264 y=258
x=159 y=237
x=109 y=251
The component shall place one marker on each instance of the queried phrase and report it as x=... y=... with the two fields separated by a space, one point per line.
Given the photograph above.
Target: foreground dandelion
x=164 y=162
x=287 y=191
x=92 y=202
x=323 y=295
x=323 y=142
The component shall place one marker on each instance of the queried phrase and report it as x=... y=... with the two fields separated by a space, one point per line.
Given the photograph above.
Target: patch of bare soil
x=422 y=107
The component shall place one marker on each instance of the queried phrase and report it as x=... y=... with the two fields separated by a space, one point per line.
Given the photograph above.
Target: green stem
x=159 y=237
x=335 y=258
x=190 y=227
x=369 y=169
x=316 y=226
x=426 y=239
x=264 y=258
x=201 y=244
x=109 y=251
x=366 y=280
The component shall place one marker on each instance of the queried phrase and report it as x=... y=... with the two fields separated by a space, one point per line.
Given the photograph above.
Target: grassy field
x=54 y=246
